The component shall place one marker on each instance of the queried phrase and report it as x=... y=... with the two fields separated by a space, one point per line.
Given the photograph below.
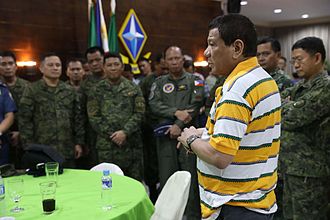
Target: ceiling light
x=305 y=16
x=201 y=63
x=244 y=2
x=277 y=10
x=26 y=63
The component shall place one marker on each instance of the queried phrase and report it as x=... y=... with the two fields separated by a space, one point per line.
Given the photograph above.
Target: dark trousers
x=4 y=153
x=170 y=160
x=279 y=198
x=240 y=213
x=150 y=161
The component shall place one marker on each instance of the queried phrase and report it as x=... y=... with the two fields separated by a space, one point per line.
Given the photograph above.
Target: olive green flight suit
x=166 y=97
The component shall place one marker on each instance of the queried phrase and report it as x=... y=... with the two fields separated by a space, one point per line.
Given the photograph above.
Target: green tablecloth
x=78 y=196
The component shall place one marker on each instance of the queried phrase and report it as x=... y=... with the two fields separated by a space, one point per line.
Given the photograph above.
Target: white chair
x=173 y=198
x=108 y=166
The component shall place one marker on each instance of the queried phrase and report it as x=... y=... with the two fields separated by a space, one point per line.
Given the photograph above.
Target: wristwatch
x=190 y=140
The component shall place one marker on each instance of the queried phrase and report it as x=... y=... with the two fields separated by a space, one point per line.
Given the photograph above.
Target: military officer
x=268 y=54
x=305 y=134
x=116 y=113
x=48 y=112
x=95 y=57
x=148 y=137
x=75 y=73
x=176 y=99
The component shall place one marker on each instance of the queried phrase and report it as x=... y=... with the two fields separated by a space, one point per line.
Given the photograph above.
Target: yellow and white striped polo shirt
x=244 y=121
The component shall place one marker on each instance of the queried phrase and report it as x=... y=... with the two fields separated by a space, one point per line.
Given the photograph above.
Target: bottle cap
x=106 y=172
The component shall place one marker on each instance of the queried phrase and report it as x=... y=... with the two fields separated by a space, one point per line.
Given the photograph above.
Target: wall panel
x=32 y=27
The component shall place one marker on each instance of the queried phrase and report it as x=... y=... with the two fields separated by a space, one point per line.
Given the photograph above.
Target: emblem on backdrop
x=132 y=35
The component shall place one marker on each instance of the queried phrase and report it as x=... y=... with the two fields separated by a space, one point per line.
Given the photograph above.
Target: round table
x=78 y=196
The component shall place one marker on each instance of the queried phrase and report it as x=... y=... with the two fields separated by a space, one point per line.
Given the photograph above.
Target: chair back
x=108 y=166
x=173 y=198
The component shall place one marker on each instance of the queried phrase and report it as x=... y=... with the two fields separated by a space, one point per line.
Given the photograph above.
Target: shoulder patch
x=152 y=91
x=199 y=82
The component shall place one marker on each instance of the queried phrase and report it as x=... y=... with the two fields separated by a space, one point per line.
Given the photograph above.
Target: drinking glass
x=51 y=169
x=15 y=191
x=48 y=190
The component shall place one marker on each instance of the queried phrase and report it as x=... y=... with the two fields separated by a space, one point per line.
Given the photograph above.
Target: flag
x=97 y=29
x=113 y=39
x=92 y=24
x=199 y=82
x=101 y=29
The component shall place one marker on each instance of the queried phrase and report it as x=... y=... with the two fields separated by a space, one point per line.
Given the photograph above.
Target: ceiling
x=261 y=11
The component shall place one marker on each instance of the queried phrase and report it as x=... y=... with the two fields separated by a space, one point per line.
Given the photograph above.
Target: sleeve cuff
x=179 y=123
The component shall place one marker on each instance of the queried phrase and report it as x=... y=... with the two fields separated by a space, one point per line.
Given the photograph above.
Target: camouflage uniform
x=17 y=91
x=282 y=80
x=149 y=140
x=305 y=148
x=166 y=97
x=73 y=86
x=114 y=108
x=84 y=92
x=48 y=115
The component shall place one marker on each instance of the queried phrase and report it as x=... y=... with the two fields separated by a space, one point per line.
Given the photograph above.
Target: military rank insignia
x=182 y=87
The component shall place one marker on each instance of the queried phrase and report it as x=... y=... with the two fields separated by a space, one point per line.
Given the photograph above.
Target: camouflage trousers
x=132 y=167
x=305 y=198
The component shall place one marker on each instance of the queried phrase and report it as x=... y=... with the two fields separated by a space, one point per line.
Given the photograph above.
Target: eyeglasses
x=299 y=60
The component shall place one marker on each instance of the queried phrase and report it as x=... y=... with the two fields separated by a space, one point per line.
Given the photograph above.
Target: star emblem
x=132 y=35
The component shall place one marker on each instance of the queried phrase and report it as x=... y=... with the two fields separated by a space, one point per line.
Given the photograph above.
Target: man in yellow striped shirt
x=238 y=150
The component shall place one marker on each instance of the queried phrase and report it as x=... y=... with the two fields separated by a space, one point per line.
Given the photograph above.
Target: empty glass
x=51 y=169
x=15 y=191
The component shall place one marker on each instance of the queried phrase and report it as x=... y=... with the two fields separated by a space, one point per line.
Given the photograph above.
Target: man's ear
x=278 y=54
x=318 y=58
x=41 y=68
x=238 y=48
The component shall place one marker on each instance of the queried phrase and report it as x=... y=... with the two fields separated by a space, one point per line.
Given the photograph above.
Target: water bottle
x=106 y=190
x=2 y=188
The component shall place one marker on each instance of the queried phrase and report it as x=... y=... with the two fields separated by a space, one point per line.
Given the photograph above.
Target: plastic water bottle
x=2 y=188
x=106 y=190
